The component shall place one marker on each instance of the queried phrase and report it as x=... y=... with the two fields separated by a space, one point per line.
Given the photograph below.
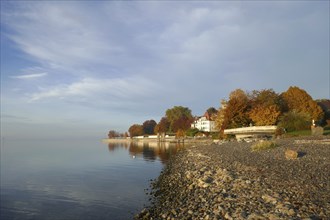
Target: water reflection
x=76 y=180
x=149 y=151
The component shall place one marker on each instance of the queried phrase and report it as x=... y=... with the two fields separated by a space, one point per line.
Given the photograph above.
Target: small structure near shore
x=251 y=132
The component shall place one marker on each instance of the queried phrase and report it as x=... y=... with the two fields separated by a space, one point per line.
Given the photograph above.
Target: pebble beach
x=228 y=180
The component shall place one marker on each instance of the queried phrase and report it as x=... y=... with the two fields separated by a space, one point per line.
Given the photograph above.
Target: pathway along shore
x=228 y=181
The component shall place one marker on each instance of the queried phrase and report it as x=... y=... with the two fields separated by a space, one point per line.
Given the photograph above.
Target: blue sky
x=79 y=68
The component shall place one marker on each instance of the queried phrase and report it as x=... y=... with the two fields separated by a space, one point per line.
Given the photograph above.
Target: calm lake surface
x=77 y=179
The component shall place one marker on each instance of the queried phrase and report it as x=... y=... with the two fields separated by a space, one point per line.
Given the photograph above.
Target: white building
x=204 y=123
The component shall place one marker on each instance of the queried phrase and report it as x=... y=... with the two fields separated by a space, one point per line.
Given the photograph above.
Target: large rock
x=291 y=154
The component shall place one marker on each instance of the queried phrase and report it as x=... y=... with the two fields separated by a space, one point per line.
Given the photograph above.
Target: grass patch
x=305 y=133
x=326 y=130
x=263 y=145
x=299 y=133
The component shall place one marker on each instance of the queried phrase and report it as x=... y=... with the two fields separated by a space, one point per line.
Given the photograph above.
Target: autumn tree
x=113 y=134
x=183 y=123
x=300 y=101
x=135 y=130
x=163 y=126
x=265 y=107
x=220 y=117
x=235 y=114
x=179 y=117
x=265 y=115
x=149 y=126
x=266 y=97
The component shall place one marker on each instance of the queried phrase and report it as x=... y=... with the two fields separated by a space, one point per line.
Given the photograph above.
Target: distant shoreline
x=167 y=140
x=114 y=140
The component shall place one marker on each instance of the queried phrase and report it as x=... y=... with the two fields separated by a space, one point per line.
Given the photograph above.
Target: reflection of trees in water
x=114 y=146
x=166 y=153
x=150 y=151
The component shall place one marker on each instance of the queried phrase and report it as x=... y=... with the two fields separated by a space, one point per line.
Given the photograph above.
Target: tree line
x=176 y=119
x=291 y=110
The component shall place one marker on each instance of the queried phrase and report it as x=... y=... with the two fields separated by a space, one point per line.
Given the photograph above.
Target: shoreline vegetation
x=229 y=180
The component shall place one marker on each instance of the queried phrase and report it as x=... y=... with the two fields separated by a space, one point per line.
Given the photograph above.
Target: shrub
x=215 y=135
x=263 y=145
x=191 y=132
x=294 y=121
x=279 y=131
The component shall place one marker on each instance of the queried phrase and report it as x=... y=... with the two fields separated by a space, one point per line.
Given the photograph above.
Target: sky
x=77 y=69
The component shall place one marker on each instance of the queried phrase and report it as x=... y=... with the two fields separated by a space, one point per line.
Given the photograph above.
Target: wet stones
x=227 y=181
x=269 y=199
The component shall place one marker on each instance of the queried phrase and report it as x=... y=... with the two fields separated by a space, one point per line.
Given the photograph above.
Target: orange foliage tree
x=300 y=101
x=266 y=107
x=265 y=115
x=235 y=113
x=135 y=130
x=163 y=126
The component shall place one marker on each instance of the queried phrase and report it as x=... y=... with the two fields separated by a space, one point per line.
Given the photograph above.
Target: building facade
x=204 y=123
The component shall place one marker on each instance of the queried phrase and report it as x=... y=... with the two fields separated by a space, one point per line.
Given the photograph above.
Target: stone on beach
x=291 y=154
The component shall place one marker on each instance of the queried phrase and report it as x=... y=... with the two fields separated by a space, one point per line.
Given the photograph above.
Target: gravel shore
x=229 y=181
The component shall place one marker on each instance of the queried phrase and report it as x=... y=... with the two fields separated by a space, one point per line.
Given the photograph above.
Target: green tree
x=294 y=121
x=179 y=117
x=149 y=126
x=211 y=111
x=135 y=130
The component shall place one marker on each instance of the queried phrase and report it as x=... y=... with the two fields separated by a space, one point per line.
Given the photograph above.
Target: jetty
x=251 y=132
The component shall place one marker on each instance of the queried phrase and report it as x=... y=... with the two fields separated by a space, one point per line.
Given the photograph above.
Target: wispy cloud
x=64 y=38
x=91 y=90
x=29 y=76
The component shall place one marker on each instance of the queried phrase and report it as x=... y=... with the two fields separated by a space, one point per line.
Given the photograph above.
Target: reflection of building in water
x=150 y=151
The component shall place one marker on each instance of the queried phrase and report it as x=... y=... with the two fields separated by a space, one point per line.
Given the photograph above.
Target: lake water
x=77 y=179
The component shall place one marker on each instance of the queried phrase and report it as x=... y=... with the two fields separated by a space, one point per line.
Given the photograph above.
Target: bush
x=263 y=145
x=215 y=135
x=294 y=121
x=191 y=132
